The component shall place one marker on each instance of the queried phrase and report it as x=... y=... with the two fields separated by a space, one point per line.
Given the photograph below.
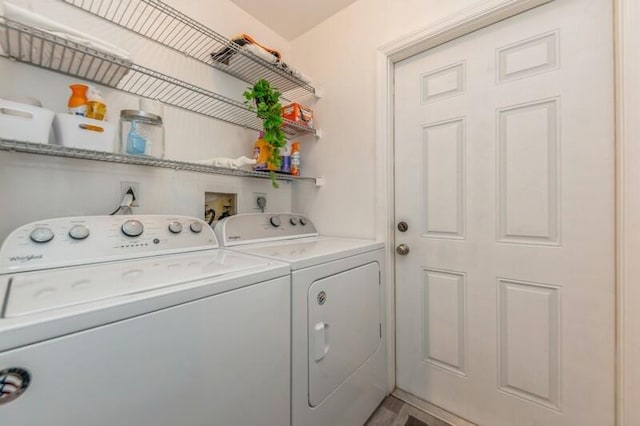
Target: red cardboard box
x=299 y=114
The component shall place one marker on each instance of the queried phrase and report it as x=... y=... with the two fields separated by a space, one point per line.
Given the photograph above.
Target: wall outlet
x=124 y=187
x=259 y=201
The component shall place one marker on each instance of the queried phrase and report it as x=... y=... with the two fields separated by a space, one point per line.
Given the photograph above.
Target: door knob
x=402 y=249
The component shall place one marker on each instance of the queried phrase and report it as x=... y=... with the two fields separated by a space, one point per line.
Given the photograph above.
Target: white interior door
x=504 y=158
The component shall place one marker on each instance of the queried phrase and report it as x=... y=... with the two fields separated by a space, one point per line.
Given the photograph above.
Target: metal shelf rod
x=87 y=154
x=42 y=49
x=168 y=26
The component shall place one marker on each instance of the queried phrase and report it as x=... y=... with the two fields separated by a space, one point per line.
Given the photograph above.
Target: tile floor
x=404 y=409
x=394 y=412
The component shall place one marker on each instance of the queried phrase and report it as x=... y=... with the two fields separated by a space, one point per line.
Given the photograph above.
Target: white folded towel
x=260 y=52
x=227 y=163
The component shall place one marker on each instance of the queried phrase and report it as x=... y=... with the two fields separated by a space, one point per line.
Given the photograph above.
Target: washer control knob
x=41 y=235
x=274 y=221
x=303 y=221
x=132 y=228
x=79 y=232
x=175 y=227
x=293 y=221
x=196 y=227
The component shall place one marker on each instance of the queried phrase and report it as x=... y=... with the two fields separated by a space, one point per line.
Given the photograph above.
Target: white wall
x=628 y=218
x=340 y=56
x=37 y=187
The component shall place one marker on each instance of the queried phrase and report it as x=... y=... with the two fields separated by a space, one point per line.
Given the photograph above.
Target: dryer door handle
x=321 y=340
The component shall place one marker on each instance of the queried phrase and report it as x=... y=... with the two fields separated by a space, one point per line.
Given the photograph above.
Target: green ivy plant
x=264 y=100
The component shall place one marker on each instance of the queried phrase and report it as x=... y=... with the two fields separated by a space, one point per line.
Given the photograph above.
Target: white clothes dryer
x=337 y=314
x=142 y=321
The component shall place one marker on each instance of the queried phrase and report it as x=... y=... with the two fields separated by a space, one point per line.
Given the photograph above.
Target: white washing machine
x=337 y=313
x=141 y=321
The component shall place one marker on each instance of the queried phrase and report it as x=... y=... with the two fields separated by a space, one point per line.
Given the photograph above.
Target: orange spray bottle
x=295 y=158
x=78 y=100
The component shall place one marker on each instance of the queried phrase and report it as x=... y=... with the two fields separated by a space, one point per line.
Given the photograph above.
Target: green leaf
x=274 y=181
x=264 y=100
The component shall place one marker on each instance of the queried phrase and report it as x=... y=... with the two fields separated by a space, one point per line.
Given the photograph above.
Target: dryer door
x=344 y=327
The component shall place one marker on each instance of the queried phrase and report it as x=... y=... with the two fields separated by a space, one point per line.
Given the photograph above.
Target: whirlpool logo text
x=24 y=259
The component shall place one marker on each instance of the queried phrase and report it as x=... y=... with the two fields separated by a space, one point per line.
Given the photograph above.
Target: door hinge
x=379 y=278
x=381 y=330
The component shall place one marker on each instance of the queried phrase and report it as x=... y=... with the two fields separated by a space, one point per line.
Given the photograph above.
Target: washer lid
x=34 y=292
x=306 y=252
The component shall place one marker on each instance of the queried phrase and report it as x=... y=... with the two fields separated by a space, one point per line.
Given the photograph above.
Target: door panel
x=444 y=179
x=504 y=150
x=528 y=204
x=444 y=320
x=529 y=336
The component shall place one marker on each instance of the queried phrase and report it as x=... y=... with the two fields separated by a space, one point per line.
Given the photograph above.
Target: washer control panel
x=92 y=239
x=263 y=227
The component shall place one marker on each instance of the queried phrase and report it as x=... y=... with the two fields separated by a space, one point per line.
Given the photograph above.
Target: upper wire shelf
x=42 y=49
x=168 y=26
x=87 y=154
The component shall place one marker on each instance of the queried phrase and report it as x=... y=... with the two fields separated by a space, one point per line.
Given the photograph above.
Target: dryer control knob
x=275 y=221
x=293 y=221
x=196 y=227
x=41 y=235
x=175 y=227
x=132 y=228
x=303 y=221
x=79 y=232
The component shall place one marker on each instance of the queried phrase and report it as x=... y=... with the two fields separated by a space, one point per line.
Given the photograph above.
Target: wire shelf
x=87 y=154
x=168 y=26
x=45 y=50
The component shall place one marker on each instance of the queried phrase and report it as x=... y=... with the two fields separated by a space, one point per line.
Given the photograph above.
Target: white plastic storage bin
x=86 y=133
x=26 y=123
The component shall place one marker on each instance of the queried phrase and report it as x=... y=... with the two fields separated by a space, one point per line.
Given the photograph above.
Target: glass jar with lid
x=141 y=133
